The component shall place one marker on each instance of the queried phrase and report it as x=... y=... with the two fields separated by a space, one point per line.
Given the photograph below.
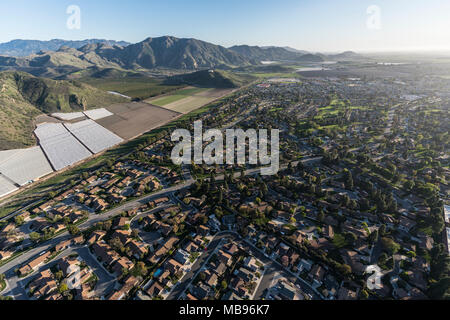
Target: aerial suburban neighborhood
x=139 y=172
x=141 y=227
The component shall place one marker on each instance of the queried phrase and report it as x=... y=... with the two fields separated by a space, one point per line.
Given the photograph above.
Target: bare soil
x=135 y=118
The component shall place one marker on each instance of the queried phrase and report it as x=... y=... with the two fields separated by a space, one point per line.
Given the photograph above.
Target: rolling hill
x=210 y=79
x=274 y=54
x=23 y=97
x=23 y=48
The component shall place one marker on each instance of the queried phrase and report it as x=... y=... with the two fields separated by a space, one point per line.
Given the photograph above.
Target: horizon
x=426 y=51
x=361 y=26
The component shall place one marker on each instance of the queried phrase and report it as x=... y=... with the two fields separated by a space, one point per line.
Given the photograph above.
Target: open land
x=135 y=118
x=189 y=99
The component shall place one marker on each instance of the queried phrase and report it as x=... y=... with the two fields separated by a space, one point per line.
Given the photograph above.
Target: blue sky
x=316 y=25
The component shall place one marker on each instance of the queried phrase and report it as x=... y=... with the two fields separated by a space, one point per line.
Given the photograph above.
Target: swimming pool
x=158 y=273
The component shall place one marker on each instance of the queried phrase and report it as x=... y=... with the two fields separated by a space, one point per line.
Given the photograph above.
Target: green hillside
x=210 y=79
x=23 y=97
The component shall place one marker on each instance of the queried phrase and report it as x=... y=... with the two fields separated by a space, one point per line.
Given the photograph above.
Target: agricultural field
x=137 y=88
x=6 y=186
x=95 y=137
x=135 y=118
x=189 y=99
x=68 y=116
x=97 y=114
x=33 y=165
x=61 y=148
x=42 y=189
x=161 y=102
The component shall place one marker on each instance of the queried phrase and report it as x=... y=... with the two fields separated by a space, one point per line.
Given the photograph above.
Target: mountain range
x=71 y=57
x=23 y=48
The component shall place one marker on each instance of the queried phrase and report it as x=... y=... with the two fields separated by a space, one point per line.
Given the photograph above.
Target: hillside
x=171 y=52
x=210 y=78
x=23 y=48
x=152 y=53
x=23 y=97
x=346 y=56
x=102 y=73
x=274 y=54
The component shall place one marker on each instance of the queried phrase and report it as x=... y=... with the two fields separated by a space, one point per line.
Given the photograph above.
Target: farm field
x=135 y=118
x=188 y=104
x=34 y=193
x=6 y=186
x=43 y=118
x=61 y=148
x=161 y=102
x=23 y=166
x=136 y=88
x=68 y=116
x=95 y=137
x=189 y=99
x=97 y=114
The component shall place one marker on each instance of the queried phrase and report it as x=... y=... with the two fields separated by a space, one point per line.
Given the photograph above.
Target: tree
x=321 y=215
x=390 y=245
x=437 y=223
x=63 y=288
x=373 y=237
x=140 y=269
x=350 y=238
x=59 y=275
x=74 y=230
x=440 y=289
x=364 y=294
x=345 y=269
x=408 y=185
x=382 y=230
x=35 y=237
x=349 y=181
x=19 y=220
x=224 y=285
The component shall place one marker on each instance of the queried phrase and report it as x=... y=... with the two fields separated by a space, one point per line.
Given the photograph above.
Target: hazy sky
x=316 y=25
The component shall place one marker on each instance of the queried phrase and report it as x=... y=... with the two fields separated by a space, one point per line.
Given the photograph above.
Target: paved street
x=106 y=281
x=271 y=269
